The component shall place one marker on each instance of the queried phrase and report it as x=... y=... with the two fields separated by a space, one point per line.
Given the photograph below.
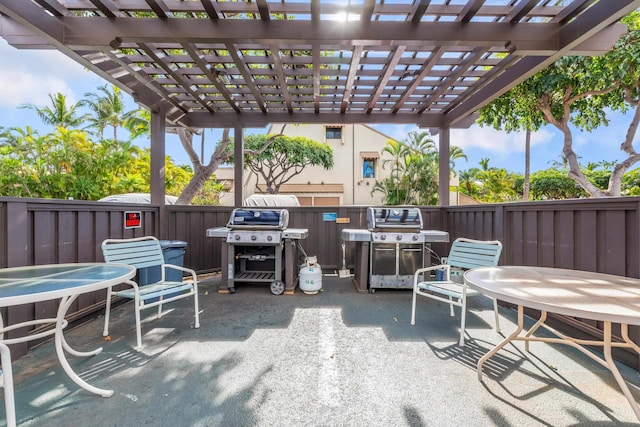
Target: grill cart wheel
x=277 y=287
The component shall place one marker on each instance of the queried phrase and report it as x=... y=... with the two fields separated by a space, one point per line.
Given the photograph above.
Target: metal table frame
x=595 y=296
x=25 y=285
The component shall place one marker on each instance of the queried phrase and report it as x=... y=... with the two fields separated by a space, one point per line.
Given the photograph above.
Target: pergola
x=223 y=64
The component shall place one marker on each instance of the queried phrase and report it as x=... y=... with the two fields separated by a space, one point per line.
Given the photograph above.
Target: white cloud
x=29 y=76
x=397 y=132
x=497 y=142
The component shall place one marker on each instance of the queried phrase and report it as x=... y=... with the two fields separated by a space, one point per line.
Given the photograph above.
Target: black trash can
x=173 y=252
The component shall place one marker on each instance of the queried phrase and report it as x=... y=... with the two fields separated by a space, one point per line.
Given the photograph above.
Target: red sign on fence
x=133 y=219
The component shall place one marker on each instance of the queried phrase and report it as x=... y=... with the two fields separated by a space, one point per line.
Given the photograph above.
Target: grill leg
x=289 y=266
x=227 y=256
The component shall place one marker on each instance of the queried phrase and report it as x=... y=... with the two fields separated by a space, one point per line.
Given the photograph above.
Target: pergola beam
x=100 y=32
x=257 y=119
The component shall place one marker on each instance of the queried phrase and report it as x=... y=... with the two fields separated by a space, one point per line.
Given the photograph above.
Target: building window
x=369 y=168
x=334 y=132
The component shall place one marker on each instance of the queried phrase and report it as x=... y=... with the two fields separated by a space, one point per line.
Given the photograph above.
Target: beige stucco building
x=358 y=163
x=358 y=160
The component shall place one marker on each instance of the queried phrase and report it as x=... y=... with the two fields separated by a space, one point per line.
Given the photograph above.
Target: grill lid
x=259 y=219
x=394 y=219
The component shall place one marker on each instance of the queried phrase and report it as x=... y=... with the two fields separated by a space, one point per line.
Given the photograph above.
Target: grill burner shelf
x=252 y=276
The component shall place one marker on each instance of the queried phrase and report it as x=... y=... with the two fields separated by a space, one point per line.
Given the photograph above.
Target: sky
x=29 y=76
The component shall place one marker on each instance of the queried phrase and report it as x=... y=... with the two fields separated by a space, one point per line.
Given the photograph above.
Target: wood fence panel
x=587 y=257
x=594 y=235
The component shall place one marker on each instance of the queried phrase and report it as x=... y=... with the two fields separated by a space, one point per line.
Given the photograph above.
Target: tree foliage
x=580 y=90
x=554 y=184
x=275 y=160
x=69 y=162
x=490 y=184
x=413 y=165
x=59 y=113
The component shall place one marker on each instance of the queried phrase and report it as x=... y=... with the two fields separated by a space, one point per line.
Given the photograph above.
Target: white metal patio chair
x=142 y=252
x=6 y=374
x=464 y=254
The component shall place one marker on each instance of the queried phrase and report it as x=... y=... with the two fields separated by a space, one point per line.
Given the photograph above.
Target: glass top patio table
x=20 y=285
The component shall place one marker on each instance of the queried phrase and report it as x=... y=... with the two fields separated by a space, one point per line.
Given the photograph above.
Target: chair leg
x=495 y=310
x=413 y=308
x=138 y=326
x=463 y=315
x=107 y=312
x=160 y=308
x=195 y=298
x=7 y=377
x=451 y=312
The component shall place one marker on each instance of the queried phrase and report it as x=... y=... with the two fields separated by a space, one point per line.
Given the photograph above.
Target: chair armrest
x=433 y=267
x=416 y=275
x=194 y=276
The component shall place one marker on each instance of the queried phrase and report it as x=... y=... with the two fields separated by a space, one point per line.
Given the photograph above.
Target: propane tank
x=310 y=278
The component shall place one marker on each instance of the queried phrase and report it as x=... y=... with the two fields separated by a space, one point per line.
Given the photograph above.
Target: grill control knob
x=237 y=237
x=399 y=237
x=254 y=237
x=383 y=237
x=269 y=238
x=415 y=238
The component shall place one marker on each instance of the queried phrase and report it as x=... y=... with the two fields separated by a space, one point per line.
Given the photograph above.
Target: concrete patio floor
x=338 y=358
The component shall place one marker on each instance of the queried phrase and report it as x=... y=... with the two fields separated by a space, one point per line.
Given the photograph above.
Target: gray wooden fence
x=593 y=235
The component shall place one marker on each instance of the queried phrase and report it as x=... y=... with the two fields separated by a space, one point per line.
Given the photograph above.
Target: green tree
x=395 y=188
x=580 y=90
x=59 y=113
x=202 y=187
x=554 y=184
x=490 y=184
x=413 y=178
x=469 y=182
x=631 y=183
x=515 y=111
x=108 y=110
x=276 y=160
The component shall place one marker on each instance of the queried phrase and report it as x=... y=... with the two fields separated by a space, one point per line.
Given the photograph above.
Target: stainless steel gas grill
x=255 y=240
x=396 y=250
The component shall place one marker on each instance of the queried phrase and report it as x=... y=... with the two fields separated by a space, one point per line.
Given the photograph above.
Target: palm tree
x=527 y=165
x=420 y=141
x=138 y=123
x=58 y=114
x=468 y=180
x=108 y=110
x=399 y=152
x=455 y=153
x=484 y=164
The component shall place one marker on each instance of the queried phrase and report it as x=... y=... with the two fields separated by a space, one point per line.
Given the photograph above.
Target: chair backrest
x=468 y=253
x=139 y=252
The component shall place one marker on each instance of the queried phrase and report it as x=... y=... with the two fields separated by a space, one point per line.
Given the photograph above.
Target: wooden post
x=157 y=169
x=443 y=175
